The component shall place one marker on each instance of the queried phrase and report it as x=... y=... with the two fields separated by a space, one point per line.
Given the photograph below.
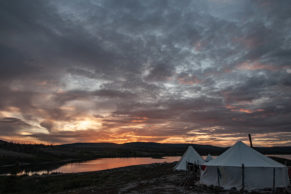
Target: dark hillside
x=13 y=153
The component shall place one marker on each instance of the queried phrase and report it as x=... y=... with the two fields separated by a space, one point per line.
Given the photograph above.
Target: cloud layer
x=167 y=71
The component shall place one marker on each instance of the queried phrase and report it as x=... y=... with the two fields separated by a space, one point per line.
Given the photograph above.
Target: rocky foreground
x=153 y=178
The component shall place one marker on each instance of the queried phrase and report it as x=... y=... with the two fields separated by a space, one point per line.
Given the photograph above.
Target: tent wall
x=263 y=177
x=229 y=177
x=190 y=156
x=255 y=178
x=182 y=164
x=209 y=176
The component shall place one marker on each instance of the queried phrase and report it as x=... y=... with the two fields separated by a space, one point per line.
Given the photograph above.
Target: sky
x=167 y=71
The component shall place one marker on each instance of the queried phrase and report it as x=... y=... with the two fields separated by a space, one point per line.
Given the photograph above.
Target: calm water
x=100 y=164
x=281 y=156
x=105 y=163
x=109 y=163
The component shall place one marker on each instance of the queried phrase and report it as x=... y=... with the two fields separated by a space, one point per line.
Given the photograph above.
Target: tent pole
x=250 y=139
x=218 y=177
x=274 y=180
x=243 y=177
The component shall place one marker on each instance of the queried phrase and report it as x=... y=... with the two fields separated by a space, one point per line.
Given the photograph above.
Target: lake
x=98 y=164
x=101 y=164
x=281 y=156
x=109 y=163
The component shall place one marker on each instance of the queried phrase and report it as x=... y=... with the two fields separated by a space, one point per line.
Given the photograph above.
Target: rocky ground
x=170 y=182
x=147 y=179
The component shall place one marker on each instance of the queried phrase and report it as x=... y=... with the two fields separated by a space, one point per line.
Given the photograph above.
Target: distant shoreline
x=83 y=160
x=24 y=156
x=50 y=167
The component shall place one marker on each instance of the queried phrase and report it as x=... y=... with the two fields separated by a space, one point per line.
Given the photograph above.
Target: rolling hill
x=13 y=153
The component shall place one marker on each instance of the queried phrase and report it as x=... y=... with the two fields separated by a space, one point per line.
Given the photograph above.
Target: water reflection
x=29 y=169
x=92 y=165
x=286 y=156
x=109 y=163
x=87 y=166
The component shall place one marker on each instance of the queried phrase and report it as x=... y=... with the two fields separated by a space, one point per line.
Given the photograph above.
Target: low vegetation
x=30 y=157
x=152 y=178
x=13 y=153
x=108 y=181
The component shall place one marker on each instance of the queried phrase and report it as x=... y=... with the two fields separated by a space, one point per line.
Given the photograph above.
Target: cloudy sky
x=202 y=71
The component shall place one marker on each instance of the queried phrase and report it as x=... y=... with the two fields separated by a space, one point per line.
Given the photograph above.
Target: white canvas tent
x=208 y=158
x=227 y=171
x=190 y=156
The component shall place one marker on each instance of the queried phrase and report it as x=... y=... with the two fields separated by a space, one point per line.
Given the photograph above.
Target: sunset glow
x=202 y=72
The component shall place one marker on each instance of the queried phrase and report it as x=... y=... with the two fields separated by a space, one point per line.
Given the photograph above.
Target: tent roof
x=208 y=158
x=240 y=154
x=190 y=156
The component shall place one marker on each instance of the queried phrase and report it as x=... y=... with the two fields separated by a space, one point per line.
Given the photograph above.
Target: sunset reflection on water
x=109 y=163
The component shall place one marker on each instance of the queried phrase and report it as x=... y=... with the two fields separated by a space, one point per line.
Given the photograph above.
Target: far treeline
x=14 y=153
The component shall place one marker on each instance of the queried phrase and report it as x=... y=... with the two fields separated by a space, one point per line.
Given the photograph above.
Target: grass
x=106 y=181
x=151 y=178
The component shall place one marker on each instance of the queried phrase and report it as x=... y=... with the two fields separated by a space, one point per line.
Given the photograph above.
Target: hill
x=17 y=154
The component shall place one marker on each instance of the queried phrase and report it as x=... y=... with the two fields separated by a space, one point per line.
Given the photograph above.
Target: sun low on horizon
x=203 y=72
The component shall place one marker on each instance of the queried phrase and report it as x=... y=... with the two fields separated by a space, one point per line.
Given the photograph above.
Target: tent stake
x=243 y=177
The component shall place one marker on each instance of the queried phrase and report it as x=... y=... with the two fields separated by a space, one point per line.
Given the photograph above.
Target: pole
x=218 y=176
x=250 y=139
x=274 y=180
x=243 y=177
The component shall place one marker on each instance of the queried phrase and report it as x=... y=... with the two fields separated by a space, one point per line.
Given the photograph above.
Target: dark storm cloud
x=12 y=126
x=147 y=68
x=13 y=64
x=160 y=72
x=21 y=99
x=87 y=95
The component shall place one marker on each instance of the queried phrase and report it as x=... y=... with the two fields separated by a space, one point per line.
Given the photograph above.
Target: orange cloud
x=198 y=45
x=248 y=42
x=252 y=66
x=139 y=119
x=242 y=110
x=187 y=79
